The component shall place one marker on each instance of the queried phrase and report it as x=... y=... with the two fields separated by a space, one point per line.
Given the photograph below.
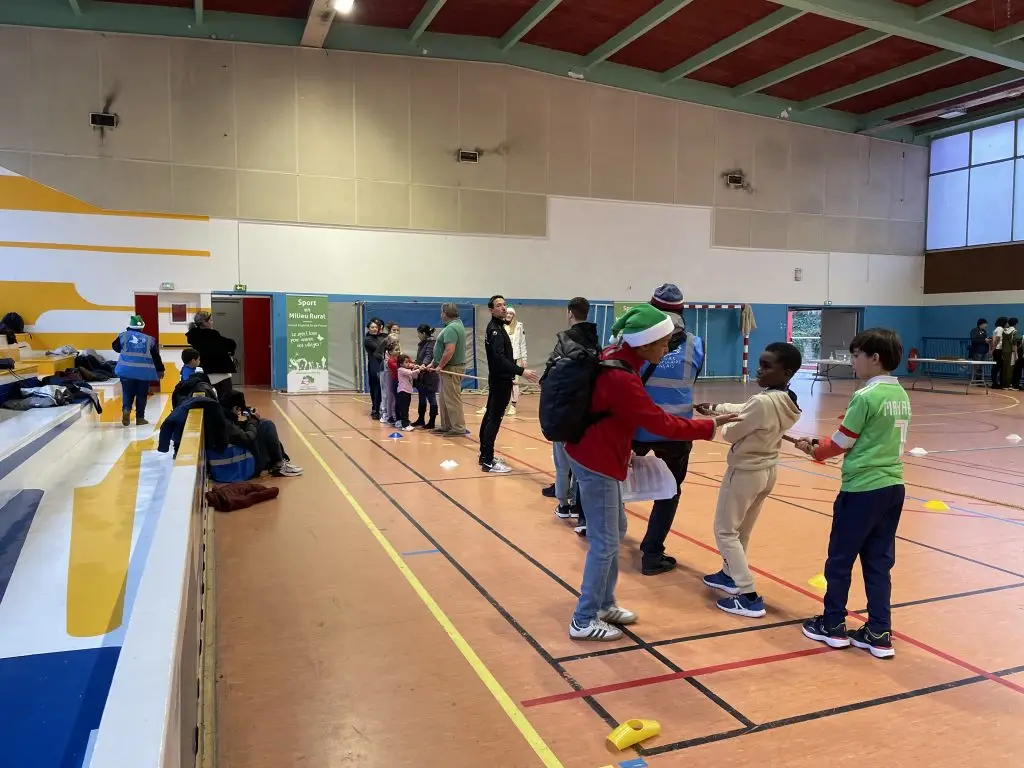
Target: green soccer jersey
x=874 y=433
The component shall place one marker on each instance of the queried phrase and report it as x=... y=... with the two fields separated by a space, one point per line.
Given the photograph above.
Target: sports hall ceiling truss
x=885 y=67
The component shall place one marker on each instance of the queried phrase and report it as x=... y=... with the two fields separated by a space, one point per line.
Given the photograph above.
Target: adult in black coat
x=216 y=351
x=429 y=381
x=373 y=343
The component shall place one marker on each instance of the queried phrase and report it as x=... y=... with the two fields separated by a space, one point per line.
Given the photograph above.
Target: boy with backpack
x=756 y=437
x=595 y=404
x=867 y=510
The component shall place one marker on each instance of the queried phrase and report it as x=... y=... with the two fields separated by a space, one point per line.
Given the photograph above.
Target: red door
x=256 y=333
x=146 y=307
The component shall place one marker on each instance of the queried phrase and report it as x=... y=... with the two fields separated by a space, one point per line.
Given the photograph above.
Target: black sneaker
x=879 y=645
x=549 y=491
x=581 y=530
x=654 y=566
x=833 y=637
x=565 y=511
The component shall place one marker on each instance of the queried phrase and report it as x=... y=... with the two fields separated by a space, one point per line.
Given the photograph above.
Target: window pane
x=1020 y=138
x=947 y=210
x=991 y=204
x=1018 y=202
x=951 y=152
x=992 y=143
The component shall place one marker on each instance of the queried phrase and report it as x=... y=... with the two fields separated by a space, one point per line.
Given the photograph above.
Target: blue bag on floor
x=231 y=466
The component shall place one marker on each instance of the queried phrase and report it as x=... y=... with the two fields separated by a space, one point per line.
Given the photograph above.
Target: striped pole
x=746 y=354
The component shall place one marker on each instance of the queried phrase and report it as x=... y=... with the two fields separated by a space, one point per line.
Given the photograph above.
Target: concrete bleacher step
x=22 y=433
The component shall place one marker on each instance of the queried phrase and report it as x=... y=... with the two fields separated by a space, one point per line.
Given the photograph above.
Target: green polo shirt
x=454 y=333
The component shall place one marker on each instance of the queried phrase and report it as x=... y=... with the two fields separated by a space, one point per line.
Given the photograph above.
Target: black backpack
x=567 y=387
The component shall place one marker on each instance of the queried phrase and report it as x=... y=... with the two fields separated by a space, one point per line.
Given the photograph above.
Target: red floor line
x=656 y=679
x=818 y=598
x=807 y=593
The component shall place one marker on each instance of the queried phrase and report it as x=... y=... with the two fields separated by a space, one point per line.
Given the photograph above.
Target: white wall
x=609 y=250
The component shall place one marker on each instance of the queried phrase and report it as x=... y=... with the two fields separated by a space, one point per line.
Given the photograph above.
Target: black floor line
x=750 y=726
x=932 y=547
x=672 y=666
x=823 y=713
x=599 y=710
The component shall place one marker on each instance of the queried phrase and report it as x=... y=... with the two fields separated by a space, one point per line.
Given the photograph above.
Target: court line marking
x=685 y=674
x=980 y=674
x=818 y=598
x=421 y=552
x=525 y=728
x=823 y=713
x=667 y=662
x=599 y=710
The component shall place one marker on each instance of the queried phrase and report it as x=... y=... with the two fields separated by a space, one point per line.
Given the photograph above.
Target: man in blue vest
x=138 y=366
x=670 y=385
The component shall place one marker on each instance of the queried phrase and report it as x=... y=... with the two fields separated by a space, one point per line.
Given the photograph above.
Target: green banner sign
x=307 y=343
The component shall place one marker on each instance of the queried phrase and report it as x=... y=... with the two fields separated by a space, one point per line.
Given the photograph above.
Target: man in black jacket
x=581 y=333
x=501 y=373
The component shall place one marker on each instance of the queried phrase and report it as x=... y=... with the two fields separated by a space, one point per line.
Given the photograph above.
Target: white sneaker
x=481 y=411
x=408 y=428
x=294 y=468
x=497 y=467
x=511 y=411
x=286 y=470
x=383 y=419
x=595 y=630
x=616 y=615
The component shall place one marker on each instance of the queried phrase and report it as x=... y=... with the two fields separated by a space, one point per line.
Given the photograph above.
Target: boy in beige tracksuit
x=756 y=437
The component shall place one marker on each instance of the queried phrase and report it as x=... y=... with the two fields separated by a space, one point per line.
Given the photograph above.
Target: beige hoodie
x=757 y=435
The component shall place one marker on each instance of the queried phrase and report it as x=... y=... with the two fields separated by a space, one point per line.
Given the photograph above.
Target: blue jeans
x=563 y=475
x=134 y=391
x=601 y=496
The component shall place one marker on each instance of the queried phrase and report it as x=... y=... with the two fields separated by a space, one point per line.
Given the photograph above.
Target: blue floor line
x=420 y=552
x=16 y=518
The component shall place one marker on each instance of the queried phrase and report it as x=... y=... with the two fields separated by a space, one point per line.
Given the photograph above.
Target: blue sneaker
x=740 y=605
x=722 y=582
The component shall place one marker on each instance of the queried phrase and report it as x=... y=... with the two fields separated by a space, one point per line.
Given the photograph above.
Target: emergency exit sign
x=240 y=288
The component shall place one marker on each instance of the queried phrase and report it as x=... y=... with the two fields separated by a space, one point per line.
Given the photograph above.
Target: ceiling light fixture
x=343 y=7
x=952 y=113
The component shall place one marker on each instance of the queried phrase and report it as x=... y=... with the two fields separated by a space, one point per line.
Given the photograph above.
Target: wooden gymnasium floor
x=336 y=603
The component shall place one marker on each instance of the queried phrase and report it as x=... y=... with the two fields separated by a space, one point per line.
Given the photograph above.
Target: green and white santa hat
x=642 y=324
x=136 y=323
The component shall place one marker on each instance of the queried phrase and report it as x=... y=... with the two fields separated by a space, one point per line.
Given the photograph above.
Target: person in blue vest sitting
x=670 y=385
x=138 y=366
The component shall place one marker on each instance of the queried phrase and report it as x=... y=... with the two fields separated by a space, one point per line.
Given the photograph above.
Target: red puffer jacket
x=608 y=444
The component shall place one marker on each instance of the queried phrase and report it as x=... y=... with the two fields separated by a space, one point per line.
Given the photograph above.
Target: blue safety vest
x=671 y=386
x=136 y=359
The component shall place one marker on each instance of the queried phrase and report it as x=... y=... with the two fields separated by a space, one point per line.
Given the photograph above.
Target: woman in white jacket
x=517 y=333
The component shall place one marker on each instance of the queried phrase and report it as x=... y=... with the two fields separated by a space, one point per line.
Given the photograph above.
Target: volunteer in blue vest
x=138 y=366
x=670 y=385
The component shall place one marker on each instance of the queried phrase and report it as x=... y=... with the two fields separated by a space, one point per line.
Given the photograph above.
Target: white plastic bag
x=648 y=479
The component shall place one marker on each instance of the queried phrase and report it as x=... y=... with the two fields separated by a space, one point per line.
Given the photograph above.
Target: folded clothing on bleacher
x=80 y=391
x=215 y=426
x=46 y=396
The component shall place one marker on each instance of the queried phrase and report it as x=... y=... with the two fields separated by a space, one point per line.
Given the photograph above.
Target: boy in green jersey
x=867 y=510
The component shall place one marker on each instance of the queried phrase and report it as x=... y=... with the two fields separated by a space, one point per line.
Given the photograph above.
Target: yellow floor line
x=534 y=739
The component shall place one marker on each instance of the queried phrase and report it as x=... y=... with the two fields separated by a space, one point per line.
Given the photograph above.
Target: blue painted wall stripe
x=15 y=520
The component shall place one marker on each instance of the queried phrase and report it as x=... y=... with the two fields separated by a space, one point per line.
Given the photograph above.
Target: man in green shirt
x=450 y=359
x=867 y=511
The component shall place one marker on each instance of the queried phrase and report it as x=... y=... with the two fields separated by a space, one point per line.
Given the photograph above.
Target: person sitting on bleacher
x=138 y=366
x=259 y=436
x=189 y=363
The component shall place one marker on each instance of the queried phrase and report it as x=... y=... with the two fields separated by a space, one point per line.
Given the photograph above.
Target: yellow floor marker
x=936 y=506
x=818 y=582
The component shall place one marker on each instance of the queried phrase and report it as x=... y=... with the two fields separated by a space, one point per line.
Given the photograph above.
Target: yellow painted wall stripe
x=20 y=193
x=534 y=739
x=105 y=249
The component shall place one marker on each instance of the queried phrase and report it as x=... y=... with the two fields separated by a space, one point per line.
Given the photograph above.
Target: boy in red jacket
x=601 y=459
